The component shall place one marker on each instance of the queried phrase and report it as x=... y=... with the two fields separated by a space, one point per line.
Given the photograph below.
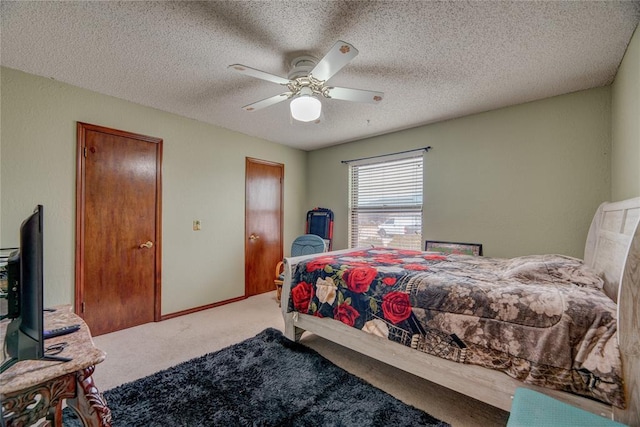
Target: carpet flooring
x=266 y=380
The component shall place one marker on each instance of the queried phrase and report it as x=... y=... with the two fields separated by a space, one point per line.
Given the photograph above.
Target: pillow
x=557 y=269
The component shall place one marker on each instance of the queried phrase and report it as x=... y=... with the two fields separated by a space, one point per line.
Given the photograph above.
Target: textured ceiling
x=433 y=60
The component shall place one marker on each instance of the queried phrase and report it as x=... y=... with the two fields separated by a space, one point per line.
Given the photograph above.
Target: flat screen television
x=24 y=338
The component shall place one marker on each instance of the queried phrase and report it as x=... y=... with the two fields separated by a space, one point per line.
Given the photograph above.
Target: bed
x=417 y=311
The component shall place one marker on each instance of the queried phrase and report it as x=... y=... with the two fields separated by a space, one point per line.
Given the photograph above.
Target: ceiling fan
x=307 y=83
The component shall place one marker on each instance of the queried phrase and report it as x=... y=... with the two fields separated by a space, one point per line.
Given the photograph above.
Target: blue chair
x=306 y=244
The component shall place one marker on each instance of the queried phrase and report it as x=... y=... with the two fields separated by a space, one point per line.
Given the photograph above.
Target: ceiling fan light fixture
x=305 y=107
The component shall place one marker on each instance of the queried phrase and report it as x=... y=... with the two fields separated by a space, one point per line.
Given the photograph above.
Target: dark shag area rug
x=266 y=380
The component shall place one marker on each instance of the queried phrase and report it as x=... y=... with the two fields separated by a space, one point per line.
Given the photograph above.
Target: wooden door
x=118 y=228
x=263 y=224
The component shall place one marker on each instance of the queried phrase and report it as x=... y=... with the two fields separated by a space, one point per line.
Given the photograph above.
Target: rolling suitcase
x=320 y=222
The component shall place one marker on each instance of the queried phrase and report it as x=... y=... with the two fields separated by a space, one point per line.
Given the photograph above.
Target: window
x=385 y=201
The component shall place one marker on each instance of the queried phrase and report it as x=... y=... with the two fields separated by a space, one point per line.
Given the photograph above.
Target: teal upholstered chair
x=306 y=244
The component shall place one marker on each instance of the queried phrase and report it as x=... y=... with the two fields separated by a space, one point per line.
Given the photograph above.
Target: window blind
x=385 y=201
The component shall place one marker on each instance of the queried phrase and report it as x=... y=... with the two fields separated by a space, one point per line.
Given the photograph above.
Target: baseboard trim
x=203 y=307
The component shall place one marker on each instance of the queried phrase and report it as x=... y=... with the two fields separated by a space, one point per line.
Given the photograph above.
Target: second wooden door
x=263 y=224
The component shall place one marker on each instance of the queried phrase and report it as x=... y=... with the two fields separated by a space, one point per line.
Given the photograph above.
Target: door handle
x=254 y=237
x=147 y=245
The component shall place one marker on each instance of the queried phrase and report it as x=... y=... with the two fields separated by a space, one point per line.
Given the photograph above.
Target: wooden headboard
x=613 y=250
x=612 y=230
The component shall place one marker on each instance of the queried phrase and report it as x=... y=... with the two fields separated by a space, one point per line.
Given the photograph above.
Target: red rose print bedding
x=541 y=319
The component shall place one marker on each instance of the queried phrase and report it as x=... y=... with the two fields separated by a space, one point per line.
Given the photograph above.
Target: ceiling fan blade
x=268 y=102
x=340 y=55
x=248 y=71
x=356 y=95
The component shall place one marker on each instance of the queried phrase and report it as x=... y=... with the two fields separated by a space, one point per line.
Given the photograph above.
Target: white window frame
x=376 y=199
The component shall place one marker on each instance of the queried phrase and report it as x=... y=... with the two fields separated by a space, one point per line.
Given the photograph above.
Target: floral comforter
x=541 y=319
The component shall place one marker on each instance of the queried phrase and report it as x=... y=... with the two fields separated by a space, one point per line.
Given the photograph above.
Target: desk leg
x=89 y=403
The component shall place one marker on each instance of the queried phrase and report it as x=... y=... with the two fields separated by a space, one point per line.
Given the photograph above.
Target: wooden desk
x=34 y=389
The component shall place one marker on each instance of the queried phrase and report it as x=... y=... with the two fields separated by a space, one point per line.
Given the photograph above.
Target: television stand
x=34 y=389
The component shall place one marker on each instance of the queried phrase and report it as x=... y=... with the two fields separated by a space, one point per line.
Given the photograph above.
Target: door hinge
x=82 y=307
x=85 y=151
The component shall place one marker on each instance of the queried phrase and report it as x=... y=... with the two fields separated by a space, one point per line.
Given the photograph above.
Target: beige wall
x=523 y=179
x=203 y=178
x=520 y=180
x=625 y=130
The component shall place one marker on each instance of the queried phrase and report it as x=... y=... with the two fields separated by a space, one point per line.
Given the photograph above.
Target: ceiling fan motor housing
x=300 y=76
x=301 y=66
